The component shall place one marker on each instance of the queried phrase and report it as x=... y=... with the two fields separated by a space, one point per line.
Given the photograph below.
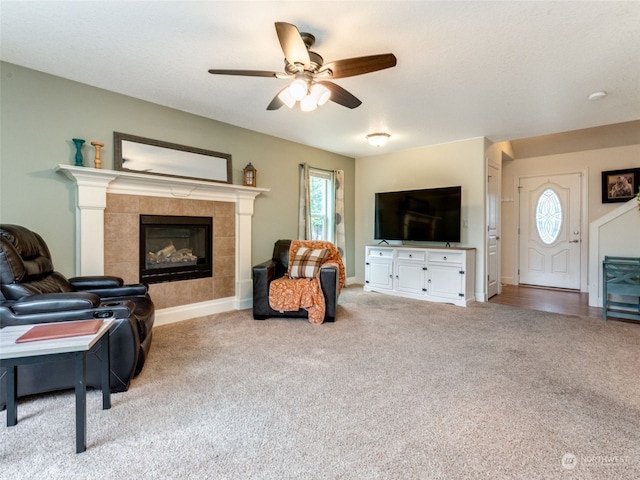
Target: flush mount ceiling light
x=597 y=95
x=377 y=139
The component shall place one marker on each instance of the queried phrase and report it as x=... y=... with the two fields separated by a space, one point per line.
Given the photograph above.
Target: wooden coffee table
x=13 y=354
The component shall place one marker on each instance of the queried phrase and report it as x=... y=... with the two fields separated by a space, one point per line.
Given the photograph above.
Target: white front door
x=550 y=230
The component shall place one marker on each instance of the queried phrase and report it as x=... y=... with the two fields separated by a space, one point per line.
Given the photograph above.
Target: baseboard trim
x=186 y=312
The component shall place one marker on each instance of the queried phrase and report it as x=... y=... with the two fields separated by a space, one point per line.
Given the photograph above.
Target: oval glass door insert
x=548 y=216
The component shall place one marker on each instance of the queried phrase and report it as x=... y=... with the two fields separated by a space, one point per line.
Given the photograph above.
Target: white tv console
x=436 y=274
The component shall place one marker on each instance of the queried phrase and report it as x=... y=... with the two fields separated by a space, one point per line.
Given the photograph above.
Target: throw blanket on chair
x=301 y=289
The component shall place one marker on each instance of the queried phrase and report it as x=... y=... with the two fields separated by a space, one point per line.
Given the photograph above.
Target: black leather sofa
x=31 y=292
x=264 y=273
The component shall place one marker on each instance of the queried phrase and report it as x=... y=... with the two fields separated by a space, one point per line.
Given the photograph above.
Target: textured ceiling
x=503 y=70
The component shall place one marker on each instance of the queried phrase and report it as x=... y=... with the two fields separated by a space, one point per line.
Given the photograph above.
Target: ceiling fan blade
x=294 y=48
x=245 y=73
x=340 y=96
x=276 y=103
x=350 y=67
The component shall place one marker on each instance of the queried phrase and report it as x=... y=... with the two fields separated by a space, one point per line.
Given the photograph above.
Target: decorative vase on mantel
x=78 y=142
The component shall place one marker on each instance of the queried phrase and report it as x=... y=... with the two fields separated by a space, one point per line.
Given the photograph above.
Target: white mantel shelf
x=92 y=187
x=157 y=185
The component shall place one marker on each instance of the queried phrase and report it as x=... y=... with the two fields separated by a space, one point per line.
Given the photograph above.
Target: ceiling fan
x=311 y=86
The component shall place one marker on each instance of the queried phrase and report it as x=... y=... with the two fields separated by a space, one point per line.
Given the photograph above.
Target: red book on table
x=60 y=330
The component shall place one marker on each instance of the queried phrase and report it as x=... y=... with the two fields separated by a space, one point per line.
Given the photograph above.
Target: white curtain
x=304 y=223
x=340 y=241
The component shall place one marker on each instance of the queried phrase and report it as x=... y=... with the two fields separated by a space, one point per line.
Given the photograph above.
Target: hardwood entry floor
x=547 y=300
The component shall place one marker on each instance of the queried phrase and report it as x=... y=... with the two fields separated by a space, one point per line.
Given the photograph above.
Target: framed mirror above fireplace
x=155 y=157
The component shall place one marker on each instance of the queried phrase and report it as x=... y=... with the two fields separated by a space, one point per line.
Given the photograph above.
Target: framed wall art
x=620 y=185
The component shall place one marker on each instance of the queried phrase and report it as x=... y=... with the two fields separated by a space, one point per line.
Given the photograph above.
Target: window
x=322 y=204
x=548 y=216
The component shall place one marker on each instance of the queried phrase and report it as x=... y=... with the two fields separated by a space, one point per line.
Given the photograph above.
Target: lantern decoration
x=249 y=174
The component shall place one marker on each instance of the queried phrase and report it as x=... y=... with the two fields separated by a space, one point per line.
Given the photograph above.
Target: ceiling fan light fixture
x=286 y=98
x=298 y=89
x=321 y=94
x=308 y=104
x=304 y=68
x=378 y=139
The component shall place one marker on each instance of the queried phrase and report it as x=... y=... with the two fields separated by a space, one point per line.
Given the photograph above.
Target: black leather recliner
x=264 y=273
x=32 y=292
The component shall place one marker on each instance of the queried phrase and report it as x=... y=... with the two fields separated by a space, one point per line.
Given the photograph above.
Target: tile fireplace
x=109 y=204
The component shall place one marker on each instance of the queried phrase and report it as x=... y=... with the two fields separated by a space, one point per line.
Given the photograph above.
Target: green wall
x=40 y=114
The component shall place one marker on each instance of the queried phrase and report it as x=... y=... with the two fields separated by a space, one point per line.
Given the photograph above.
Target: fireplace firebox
x=175 y=248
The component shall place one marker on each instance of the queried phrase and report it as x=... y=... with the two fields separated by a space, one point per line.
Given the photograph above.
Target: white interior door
x=493 y=251
x=550 y=233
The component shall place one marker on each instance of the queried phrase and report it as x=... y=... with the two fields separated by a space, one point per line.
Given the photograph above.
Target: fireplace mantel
x=92 y=186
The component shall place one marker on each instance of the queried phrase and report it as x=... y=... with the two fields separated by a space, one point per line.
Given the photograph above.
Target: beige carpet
x=395 y=389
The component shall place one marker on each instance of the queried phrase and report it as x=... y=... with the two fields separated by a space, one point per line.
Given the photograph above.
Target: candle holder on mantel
x=78 y=143
x=97 y=162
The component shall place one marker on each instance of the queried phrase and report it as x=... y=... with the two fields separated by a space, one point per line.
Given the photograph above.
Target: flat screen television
x=427 y=215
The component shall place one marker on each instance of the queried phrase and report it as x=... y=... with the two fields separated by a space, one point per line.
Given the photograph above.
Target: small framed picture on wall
x=620 y=185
